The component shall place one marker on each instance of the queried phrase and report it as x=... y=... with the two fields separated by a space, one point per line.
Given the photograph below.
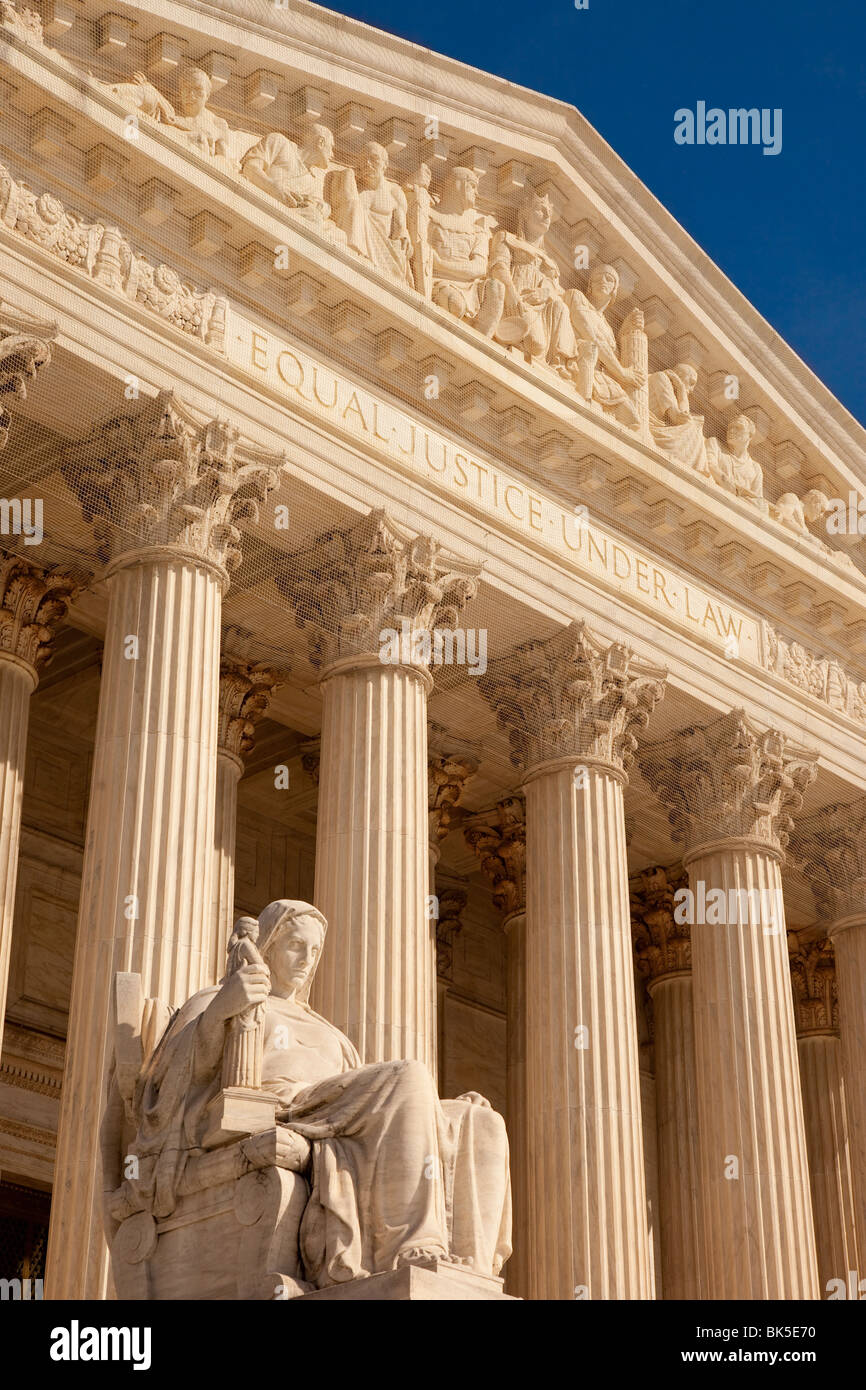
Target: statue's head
x=374 y=160
x=603 y=284
x=291 y=937
x=245 y=927
x=687 y=375
x=462 y=186
x=815 y=504
x=739 y=434
x=319 y=149
x=194 y=88
x=535 y=215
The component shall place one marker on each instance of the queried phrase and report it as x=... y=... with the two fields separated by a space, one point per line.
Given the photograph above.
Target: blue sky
x=787 y=229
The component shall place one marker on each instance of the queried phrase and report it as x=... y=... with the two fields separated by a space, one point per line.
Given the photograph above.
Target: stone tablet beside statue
x=336 y=1174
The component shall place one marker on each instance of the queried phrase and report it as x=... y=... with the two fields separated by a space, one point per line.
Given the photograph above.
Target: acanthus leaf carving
x=829 y=848
x=32 y=602
x=245 y=692
x=498 y=837
x=662 y=944
x=813 y=982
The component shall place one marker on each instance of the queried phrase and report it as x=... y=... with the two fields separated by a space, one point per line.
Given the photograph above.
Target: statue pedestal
x=236 y=1113
x=433 y=1282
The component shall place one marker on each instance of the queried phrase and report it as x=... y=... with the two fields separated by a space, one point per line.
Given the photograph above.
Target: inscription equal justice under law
x=515 y=505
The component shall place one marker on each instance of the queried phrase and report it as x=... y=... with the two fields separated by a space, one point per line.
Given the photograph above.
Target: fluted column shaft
x=146 y=891
x=849 y=941
x=756 y=1203
x=586 y=1151
x=649 y=1134
x=17 y=683
x=377 y=979
x=829 y=1151
x=518 y=1269
x=229 y=770
x=676 y=1127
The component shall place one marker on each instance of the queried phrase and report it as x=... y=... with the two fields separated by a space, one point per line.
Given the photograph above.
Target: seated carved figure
x=395 y=1175
x=373 y=217
x=207 y=132
x=674 y=428
x=612 y=379
x=460 y=241
x=734 y=468
x=534 y=315
x=304 y=177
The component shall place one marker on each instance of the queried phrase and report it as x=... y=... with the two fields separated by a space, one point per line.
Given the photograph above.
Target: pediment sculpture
x=246 y=1109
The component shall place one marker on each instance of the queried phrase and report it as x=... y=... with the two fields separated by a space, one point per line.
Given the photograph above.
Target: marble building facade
x=307 y=337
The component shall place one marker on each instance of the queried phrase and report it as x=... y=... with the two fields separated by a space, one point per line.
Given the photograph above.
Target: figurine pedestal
x=236 y=1113
x=431 y=1282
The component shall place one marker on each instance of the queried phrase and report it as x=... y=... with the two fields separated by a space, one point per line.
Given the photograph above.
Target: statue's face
x=603 y=284
x=324 y=147
x=194 y=91
x=375 y=163
x=293 y=957
x=739 y=435
x=466 y=189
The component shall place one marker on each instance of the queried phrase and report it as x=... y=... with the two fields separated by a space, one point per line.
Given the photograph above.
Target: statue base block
x=433 y=1282
x=237 y=1113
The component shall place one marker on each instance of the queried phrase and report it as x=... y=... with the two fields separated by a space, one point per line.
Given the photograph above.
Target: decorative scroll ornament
x=106 y=256
x=498 y=837
x=820 y=677
x=375 y=577
x=449 y=767
x=573 y=696
x=157 y=477
x=663 y=946
x=729 y=779
x=25 y=347
x=32 y=603
x=829 y=847
x=245 y=693
x=813 y=980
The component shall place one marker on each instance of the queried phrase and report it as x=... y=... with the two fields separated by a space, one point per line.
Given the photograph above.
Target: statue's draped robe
x=393 y=1168
x=683 y=439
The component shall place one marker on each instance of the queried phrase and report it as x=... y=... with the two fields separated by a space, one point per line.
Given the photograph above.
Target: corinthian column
x=245 y=692
x=372 y=594
x=816 y=1017
x=571 y=705
x=730 y=789
x=25 y=347
x=831 y=846
x=498 y=837
x=32 y=601
x=165 y=494
x=663 y=950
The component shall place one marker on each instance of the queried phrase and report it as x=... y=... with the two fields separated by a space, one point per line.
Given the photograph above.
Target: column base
x=432 y=1282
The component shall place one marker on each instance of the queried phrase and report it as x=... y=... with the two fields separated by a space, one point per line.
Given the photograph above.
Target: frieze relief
x=495 y=271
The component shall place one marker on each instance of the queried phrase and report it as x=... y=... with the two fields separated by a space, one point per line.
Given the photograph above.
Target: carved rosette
x=730 y=780
x=573 y=696
x=25 y=347
x=376 y=578
x=450 y=764
x=32 y=603
x=156 y=477
x=452 y=904
x=663 y=947
x=498 y=837
x=830 y=849
x=245 y=693
x=813 y=980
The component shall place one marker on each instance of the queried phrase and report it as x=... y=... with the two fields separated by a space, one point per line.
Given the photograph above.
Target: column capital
x=376 y=590
x=311 y=758
x=25 y=348
x=813 y=980
x=157 y=478
x=830 y=849
x=729 y=780
x=245 y=692
x=573 y=695
x=32 y=602
x=663 y=946
x=450 y=764
x=452 y=900
x=498 y=837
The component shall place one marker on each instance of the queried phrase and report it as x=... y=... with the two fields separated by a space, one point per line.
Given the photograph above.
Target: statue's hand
x=248 y=986
x=475 y=1098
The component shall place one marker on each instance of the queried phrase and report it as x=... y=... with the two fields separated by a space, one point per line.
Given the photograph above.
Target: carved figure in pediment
x=799 y=513
x=675 y=430
x=535 y=317
x=26 y=23
x=209 y=133
x=612 y=379
x=373 y=216
x=141 y=97
x=304 y=177
x=460 y=240
x=419 y=202
x=734 y=468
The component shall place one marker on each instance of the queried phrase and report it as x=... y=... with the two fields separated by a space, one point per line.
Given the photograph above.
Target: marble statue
x=419 y=201
x=205 y=131
x=396 y=1175
x=612 y=378
x=141 y=97
x=460 y=241
x=675 y=430
x=534 y=317
x=305 y=178
x=734 y=468
x=373 y=216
